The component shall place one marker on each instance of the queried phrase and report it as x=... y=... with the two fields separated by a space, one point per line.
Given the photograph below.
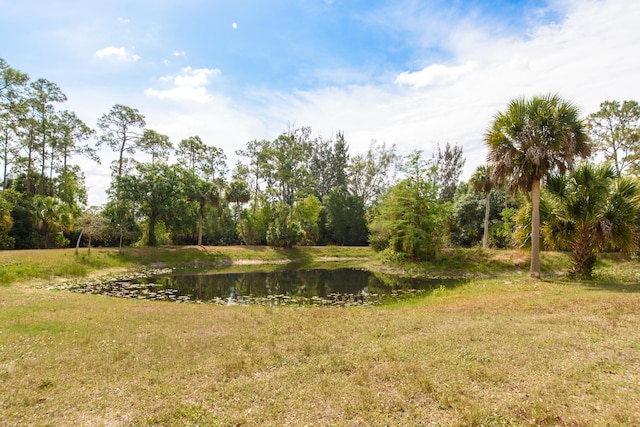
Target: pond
x=287 y=286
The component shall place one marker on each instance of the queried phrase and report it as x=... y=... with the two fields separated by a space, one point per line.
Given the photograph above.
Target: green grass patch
x=505 y=350
x=473 y=262
x=53 y=264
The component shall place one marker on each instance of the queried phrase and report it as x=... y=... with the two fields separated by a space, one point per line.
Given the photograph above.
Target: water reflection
x=291 y=286
x=344 y=286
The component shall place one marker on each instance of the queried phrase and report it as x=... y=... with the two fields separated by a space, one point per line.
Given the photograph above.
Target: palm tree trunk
x=583 y=252
x=200 y=215
x=535 y=228
x=487 y=210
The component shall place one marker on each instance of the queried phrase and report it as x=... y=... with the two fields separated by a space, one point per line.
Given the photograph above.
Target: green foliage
x=23 y=232
x=221 y=227
x=328 y=165
x=591 y=211
x=409 y=220
x=287 y=161
x=154 y=192
x=122 y=130
x=237 y=192
x=502 y=229
x=283 y=231
x=254 y=224
x=307 y=213
x=468 y=212
x=522 y=229
x=448 y=167
x=52 y=217
x=93 y=225
x=465 y=226
x=161 y=235
x=615 y=130
x=534 y=137
x=345 y=218
x=156 y=144
x=72 y=190
x=531 y=139
x=371 y=174
x=6 y=221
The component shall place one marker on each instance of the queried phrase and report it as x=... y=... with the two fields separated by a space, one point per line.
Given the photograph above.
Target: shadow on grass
x=608 y=284
x=614 y=272
x=173 y=255
x=603 y=282
x=294 y=255
x=422 y=283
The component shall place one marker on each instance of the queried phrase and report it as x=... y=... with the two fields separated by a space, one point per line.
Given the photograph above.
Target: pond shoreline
x=37 y=267
x=319 y=285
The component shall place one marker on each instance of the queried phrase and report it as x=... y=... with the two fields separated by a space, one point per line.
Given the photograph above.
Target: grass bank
x=56 y=264
x=497 y=351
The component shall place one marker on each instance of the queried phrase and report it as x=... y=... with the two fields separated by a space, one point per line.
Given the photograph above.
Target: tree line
x=301 y=189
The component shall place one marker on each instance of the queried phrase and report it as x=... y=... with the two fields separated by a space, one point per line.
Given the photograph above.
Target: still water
x=288 y=286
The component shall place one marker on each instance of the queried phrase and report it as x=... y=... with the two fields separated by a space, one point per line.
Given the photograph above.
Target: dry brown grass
x=494 y=352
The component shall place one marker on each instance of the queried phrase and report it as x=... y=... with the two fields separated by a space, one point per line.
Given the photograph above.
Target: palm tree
x=482 y=182
x=591 y=210
x=53 y=216
x=531 y=139
x=238 y=193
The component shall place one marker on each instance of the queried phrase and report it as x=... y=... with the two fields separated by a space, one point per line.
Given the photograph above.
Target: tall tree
x=287 y=160
x=307 y=213
x=409 y=221
x=122 y=129
x=156 y=144
x=256 y=168
x=42 y=95
x=449 y=163
x=9 y=132
x=328 y=165
x=191 y=152
x=70 y=132
x=155 y=189
x=202 y=192
x=615 y=130
x=70 y=188
x=345 y=218
x=238 y=193
x=531 y=139
x=591 y=211
x=372 y=174
x=481 y=182
x=13 y=85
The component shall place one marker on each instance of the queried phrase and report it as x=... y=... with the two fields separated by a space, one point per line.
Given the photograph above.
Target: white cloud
x=117 y=53
x=190 y=85
x=182 y=93
x=198 y=77
x=435 y=75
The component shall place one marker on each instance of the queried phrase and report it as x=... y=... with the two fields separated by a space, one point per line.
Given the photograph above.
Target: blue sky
x=408 y=72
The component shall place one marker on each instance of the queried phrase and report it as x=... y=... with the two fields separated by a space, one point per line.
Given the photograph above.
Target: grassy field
x=500 y=350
